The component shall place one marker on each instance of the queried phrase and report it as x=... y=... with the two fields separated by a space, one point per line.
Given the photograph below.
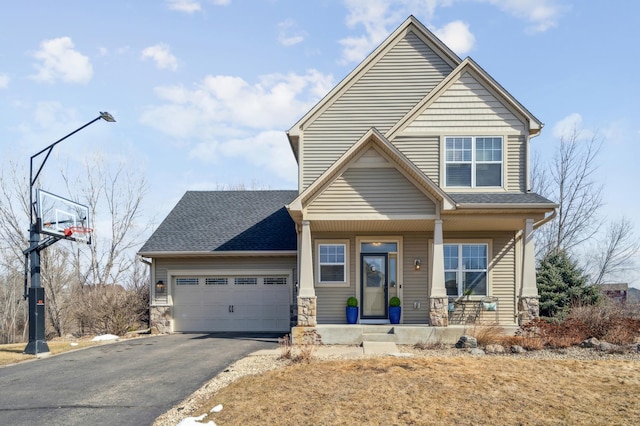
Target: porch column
x=307 y=294
x=438 y=313
x=528 y=304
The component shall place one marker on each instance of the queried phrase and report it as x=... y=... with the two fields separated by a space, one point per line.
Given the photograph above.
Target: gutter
x=503 y=206
x=218 y=253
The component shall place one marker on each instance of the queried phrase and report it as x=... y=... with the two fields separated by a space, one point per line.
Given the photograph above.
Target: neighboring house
x=616 y=292
x=413 y=182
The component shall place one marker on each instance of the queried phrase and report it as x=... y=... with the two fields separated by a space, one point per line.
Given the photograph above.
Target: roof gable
x=373 y=139
x=379 y=65
x=467 y=73
x=226 y=221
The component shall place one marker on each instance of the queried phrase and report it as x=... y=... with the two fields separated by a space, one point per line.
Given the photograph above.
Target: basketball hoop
x=77 y=230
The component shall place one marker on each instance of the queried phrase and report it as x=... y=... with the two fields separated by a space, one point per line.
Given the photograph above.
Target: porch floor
x=402 y=334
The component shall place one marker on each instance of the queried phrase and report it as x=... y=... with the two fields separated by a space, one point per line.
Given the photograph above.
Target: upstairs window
x=473 y=161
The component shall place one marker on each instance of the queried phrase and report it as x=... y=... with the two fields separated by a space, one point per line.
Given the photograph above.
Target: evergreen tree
x=562 y=284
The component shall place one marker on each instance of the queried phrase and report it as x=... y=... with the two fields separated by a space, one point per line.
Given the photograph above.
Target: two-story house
x=413 y=183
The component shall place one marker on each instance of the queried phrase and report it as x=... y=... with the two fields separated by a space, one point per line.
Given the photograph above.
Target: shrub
x=394 y=301
x=562 y=284
x=352 y=302
x=488 y=334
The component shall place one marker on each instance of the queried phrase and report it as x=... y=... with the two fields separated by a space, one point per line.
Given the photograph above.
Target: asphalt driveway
x=125 y=383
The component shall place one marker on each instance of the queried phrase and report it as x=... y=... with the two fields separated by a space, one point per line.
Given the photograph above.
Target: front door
x=374 y=285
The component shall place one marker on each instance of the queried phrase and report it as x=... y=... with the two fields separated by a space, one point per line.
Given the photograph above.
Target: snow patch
x=105 y=338
x=216 y=409
x=195 y=421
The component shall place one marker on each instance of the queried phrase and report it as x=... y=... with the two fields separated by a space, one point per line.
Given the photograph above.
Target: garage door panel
x=230 y=304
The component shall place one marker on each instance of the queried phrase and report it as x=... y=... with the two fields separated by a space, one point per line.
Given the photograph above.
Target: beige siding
x=383 y=95
x=502 y=270
x=415 y=285
x=466 y=107
x=332 y=301
x=516 y=163
x=162 y=265
x=423 y=151
x=381 y=191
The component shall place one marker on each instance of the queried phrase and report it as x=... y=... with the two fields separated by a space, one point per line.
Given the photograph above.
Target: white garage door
x=231 y=303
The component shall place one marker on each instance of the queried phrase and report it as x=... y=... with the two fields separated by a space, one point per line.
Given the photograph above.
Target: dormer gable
x=366 y=180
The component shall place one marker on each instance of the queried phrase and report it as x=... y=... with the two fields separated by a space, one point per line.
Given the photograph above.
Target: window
x=332 y=264
x=215 y=281
x=246 y=281
x=275 y=281
x=465 y=269
x=187 y=281
x=473 y=161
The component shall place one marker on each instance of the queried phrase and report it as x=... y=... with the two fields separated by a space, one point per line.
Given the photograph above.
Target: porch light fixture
x=160 y=287
x=417 y=263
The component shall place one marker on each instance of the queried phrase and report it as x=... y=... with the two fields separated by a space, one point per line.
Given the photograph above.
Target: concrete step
x=378 y=337
x=379 y=348
x=377 y=329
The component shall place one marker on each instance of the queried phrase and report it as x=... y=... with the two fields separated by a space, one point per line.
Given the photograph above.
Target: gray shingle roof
x=218 y=221
x=500 y=198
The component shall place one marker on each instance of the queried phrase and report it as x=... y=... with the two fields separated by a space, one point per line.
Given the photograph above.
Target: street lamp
x=37 y=343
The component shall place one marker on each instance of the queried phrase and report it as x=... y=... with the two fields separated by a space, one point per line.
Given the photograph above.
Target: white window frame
x=460 y=270
x=345 y=281
x=474 y=161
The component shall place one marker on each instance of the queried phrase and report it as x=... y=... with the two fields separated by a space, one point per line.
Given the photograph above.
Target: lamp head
x=107 y=117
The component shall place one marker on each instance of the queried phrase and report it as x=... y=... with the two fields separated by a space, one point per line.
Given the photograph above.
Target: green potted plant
x=394 y=310
x=352 y=310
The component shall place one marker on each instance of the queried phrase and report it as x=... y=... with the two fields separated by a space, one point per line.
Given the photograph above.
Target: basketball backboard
x=62 y=218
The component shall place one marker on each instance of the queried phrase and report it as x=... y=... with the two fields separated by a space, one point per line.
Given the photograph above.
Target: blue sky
x=204 y=90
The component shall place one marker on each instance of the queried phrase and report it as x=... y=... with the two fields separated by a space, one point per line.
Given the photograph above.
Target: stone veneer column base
x=528 y=309
x=160 y=319
x=439 y=312
x=307 y=311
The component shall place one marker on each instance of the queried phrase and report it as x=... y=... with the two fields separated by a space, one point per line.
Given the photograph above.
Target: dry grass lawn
x=13 y=353
x=423 y=391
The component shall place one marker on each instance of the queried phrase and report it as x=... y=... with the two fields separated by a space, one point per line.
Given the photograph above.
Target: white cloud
x=457 y=37
x=377 y=18
x=541 y=14
x=380 y=17
x=191 y=6
x=4 y=81
x=187 y=6
x=276 y=101
x=268 y=150
x=289 y=33
x=161 y=54
x=567 y=126
x=230 y=117
x=59 y=61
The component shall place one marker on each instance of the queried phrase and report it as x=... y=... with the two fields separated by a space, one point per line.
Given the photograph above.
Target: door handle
x=230 y=308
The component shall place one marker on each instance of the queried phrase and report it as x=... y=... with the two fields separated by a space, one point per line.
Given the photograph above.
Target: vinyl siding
x=502 y=272
x=382 y=191
x=466 y=107
x=516 y=163
x=423 y=151
x=331 y=301
x=415 y=285
x=379 y=98
x=244 y=264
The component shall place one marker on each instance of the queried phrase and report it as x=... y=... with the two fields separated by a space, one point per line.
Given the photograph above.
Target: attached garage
x=224 y=261
x=226 y=302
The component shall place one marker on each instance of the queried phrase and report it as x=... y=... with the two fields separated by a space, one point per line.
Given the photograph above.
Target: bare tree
x=114 y=197
x=614 y=252
x=14 y=212
x=570 y=182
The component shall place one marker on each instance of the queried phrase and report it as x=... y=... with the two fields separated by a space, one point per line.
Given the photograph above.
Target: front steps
x=400 y=334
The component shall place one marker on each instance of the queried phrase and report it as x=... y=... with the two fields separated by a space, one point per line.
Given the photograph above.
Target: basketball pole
x=37 y=338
